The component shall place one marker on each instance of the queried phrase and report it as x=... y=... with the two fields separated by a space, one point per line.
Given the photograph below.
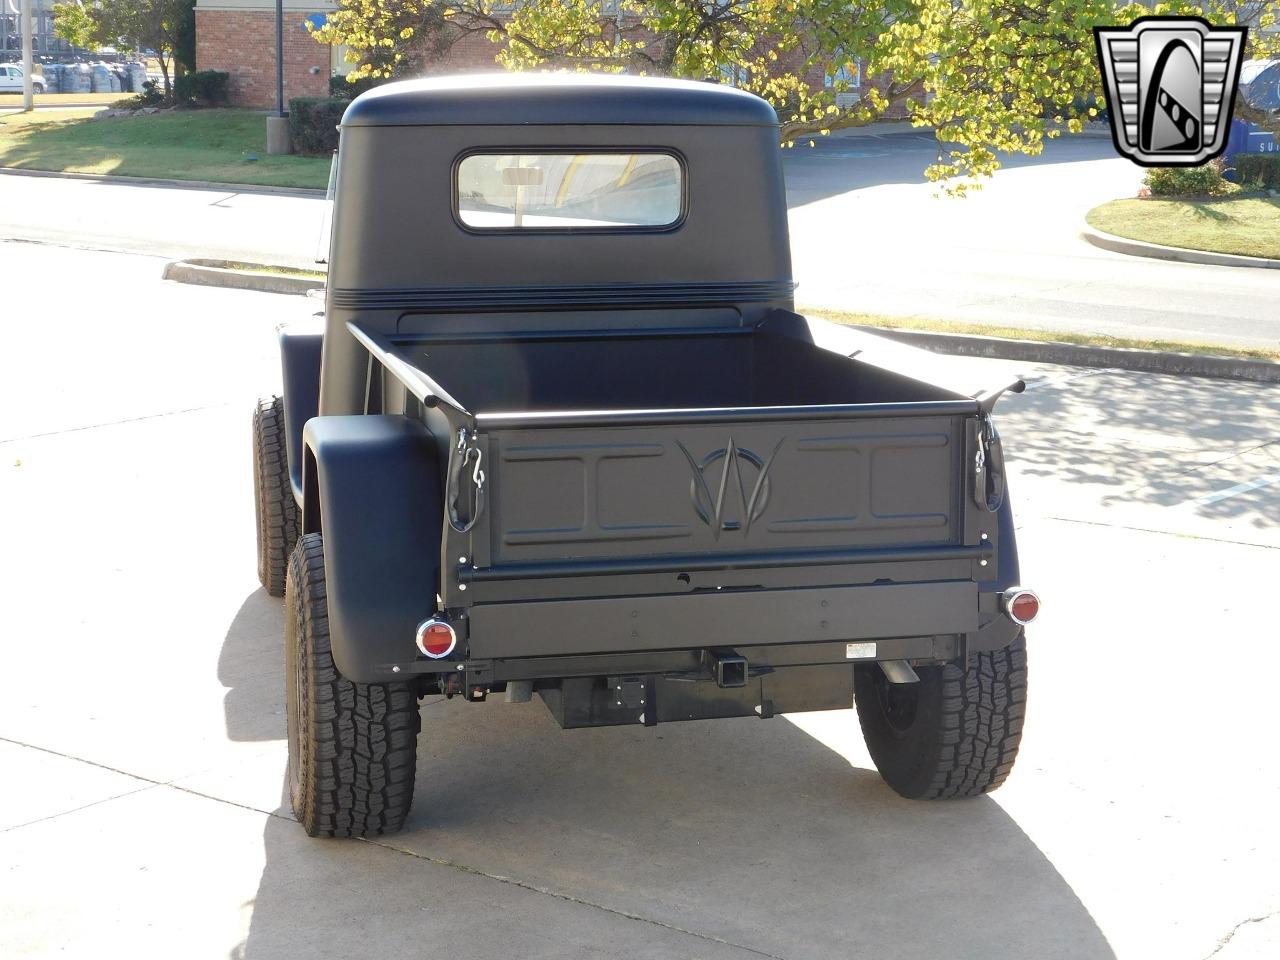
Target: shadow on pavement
x=251 y=668
x=749 y=832
x=1153 y=440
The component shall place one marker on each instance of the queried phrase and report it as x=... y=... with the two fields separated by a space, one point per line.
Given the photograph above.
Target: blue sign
x=315 y=21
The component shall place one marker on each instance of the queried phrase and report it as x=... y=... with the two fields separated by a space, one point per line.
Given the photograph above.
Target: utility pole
x=279 y=58
x=28 y=102
x=278 y=123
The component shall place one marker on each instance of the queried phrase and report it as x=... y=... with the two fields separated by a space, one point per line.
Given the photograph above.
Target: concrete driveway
x=142 y=723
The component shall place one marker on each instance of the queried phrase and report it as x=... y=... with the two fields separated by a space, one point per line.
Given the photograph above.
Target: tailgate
x=675 y=529
x=599 y=492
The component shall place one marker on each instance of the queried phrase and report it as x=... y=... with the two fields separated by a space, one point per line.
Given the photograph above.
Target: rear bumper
x=721 y=618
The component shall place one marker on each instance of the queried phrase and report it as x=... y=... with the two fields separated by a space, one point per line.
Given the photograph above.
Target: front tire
x=275 y=510
x=955 y=733
x=352 y=746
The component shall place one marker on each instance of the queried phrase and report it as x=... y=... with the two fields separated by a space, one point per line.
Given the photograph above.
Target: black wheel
x=276 y=510
x=352 y=746
x=955 y=733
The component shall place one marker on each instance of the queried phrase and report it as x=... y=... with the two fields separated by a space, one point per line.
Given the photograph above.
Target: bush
x=151 y=96
x=344 y=89
x=205 y=88
x=313 y=123
x=1258 y=171
x=1202 y=181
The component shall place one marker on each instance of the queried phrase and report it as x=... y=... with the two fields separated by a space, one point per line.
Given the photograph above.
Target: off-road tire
x=352 y=746
x=275 y=509
x=955 y=733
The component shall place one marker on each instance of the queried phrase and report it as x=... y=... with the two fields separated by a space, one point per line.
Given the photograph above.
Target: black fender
x=300 y=372
x=372 y=488
x=995 y=629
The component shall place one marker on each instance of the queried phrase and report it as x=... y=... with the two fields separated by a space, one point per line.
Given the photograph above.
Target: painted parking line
x=1233 y=491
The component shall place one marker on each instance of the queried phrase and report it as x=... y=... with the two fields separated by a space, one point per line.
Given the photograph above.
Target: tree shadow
x=1150 y=440
x=682 y=840
x=1210 y=210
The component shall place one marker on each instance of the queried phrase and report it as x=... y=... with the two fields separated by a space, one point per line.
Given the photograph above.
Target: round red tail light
x=436 y=638
x=1021 y=605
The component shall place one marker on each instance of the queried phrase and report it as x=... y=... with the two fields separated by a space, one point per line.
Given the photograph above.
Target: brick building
x=239 y=36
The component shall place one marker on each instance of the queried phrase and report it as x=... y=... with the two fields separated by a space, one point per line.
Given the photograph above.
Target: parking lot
x=143 y=723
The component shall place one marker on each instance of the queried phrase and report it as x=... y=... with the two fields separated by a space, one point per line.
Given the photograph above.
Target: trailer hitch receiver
x=728 y=668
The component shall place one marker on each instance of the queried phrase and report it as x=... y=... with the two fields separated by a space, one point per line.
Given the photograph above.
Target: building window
x=848 y=76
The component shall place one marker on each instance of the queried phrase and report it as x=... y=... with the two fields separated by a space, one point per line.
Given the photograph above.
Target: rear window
x=569 y=191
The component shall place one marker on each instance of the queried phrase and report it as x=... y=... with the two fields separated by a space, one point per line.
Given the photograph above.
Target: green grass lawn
x=933 y=325
x=211 y=145
x=1249 y=226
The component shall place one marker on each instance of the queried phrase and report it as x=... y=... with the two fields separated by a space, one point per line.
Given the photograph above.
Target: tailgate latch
x=466 y=451
x=988 y=467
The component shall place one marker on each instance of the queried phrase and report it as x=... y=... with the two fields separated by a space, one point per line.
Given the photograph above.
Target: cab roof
x=502 y=99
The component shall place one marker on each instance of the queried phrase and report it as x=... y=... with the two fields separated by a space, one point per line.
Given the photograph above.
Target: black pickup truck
x=563 y=434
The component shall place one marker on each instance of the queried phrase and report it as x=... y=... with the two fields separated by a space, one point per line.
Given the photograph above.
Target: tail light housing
x=436 y=638
x=1022 y=605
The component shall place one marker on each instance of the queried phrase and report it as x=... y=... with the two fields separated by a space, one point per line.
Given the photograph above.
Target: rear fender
x=300 y=371
x=374 y=482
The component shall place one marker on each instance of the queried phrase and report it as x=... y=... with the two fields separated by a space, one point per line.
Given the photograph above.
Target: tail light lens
x=1021 y=605
x=436 y=639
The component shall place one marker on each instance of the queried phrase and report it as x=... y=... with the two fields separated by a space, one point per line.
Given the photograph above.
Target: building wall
x=239 y=37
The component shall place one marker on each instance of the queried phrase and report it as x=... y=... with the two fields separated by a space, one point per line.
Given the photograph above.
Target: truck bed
x=679 y=466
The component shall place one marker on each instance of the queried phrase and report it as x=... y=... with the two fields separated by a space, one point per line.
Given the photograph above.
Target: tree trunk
x=164 y=71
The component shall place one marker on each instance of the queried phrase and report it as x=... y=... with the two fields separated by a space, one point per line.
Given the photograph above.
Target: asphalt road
x=868 y=235
x=141 y=731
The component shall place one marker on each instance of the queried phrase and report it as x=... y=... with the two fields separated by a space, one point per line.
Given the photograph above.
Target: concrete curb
x=160 y=182
x=1079 y=355
x=215 y=273
x=1140 y=248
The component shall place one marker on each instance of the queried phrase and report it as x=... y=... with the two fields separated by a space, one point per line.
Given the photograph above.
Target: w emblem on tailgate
x=711 y=504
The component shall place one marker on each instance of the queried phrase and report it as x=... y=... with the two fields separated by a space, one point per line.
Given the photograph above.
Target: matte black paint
x=673 y=460
x=300 y=363
x=380 y=503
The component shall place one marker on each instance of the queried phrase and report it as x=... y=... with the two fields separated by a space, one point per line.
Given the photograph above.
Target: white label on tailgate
x=860 y=651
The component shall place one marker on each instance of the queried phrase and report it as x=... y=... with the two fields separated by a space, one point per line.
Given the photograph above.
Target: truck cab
x=563 y=436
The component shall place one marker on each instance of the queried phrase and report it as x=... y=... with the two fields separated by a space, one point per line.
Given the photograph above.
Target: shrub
x=313 y=123
x=151 y=96
x=205 y=88
x=1258 y=171
x=344 y=89
x=1203 y=181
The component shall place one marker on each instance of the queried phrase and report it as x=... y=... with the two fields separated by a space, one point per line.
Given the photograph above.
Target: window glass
x=569 y=190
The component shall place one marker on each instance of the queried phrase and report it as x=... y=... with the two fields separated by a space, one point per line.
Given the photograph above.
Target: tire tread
x=357 y=750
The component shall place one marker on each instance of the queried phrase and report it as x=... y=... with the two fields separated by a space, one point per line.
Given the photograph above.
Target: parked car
x=11 y=80
x=563 y=433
